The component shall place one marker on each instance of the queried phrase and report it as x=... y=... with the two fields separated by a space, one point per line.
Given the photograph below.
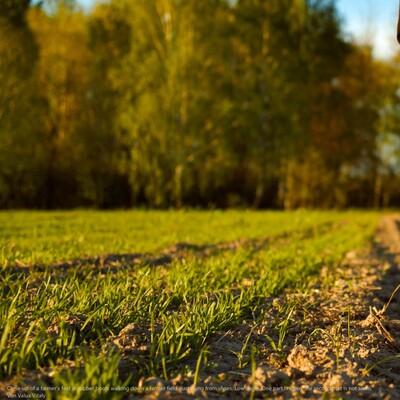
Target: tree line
x=187 y=103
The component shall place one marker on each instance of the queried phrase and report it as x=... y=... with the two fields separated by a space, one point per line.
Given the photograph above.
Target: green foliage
x=14 y=10
x=21 y=139
x=93 y=371
x=256 y=103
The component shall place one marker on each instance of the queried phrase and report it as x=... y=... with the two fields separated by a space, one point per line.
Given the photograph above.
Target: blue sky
x=371 y=21
x=366 y=21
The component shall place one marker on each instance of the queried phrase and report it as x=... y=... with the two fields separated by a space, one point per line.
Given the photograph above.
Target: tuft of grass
x=368 y=368
x=95 y=376
x=282 y=328
x=335 y=337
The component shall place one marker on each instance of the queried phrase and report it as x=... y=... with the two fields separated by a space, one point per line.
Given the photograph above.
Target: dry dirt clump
x=72 y=324
x=133 y=340
x=340 y=340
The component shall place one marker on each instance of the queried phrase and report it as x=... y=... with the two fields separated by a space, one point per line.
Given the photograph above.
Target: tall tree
x=64 y=81
x=164 y=107
x=103 y=178
x=321 y=55
x=21 y=158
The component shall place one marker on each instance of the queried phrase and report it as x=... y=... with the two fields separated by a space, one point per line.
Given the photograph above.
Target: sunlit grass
x=48 y=318
x=45 y=237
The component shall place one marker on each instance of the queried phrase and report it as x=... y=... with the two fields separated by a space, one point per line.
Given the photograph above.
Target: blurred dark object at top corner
x=15 y=10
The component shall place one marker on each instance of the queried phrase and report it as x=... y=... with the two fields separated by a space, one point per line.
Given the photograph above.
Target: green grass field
x=229 y=265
